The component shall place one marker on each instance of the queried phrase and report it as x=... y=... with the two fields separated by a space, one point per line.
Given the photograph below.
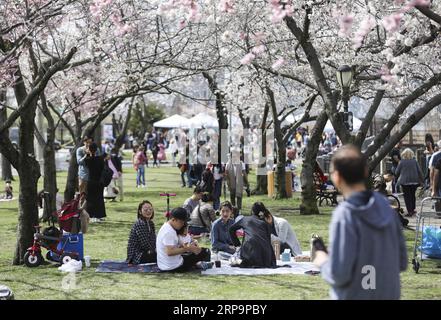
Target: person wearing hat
x=173 y=257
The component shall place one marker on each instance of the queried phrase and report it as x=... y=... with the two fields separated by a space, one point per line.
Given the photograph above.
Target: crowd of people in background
x=407 y=174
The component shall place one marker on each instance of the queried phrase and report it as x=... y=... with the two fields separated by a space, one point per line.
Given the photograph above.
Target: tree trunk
x=122 y=134
x=72 y=175
x=262 y=180
x=220 y=111
x=97 y=135
x=309 y=201
x=29 y=173
x=49 y=163
x=280 y=172
x=28 y=212
x=50 y=175
x=281 y=150
x=6 y=169
x=6 y=165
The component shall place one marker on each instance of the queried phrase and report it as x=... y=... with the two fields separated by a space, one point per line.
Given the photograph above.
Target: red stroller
x=51 y=237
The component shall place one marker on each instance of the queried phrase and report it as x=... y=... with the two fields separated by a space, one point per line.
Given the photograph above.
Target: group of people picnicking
x=364 y=231
x=176 y=247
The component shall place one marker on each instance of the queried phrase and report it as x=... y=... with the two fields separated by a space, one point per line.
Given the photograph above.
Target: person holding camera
x=367 y=247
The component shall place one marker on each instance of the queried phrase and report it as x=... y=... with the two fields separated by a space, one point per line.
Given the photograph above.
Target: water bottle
x=286 y=255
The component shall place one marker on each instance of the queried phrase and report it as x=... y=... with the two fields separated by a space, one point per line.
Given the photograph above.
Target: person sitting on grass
x=202 y=216
x=281 y=230
x=191 y=203
x=185 y=239
x=142 y=240
x=220 y=236
x=256 y=250
x=172 y=256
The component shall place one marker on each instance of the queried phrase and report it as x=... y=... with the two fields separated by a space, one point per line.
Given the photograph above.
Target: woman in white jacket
x=281 y=230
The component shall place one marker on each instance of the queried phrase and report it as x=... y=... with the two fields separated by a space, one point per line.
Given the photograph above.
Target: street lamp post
x=344 y=78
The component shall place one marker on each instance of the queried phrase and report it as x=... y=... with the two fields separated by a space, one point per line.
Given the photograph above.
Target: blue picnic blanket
x=122 y=266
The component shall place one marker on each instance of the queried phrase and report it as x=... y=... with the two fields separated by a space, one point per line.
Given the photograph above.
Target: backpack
x=106 y=176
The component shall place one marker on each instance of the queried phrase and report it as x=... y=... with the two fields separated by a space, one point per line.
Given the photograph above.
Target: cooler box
x=71 y=243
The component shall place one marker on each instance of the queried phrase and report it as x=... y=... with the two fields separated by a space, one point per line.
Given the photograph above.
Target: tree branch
x=394 y=119
x=37 y=90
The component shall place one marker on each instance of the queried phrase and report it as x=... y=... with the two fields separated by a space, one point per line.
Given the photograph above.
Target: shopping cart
x=429 y=215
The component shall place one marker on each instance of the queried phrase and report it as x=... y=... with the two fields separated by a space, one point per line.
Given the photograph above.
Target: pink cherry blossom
x=248 y=58
x=365 y=27
x=345 y=24
x=422 y=3
x=182 y=24
x=278 y=64
x=386 y=75
x=226 y=6
x=392 y=22
x=258 y=50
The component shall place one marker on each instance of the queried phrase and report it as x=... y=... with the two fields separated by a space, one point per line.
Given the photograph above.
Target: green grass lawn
x=108 y=240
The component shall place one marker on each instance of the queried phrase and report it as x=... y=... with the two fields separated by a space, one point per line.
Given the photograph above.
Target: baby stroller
x=52 y=237
x=428 y=233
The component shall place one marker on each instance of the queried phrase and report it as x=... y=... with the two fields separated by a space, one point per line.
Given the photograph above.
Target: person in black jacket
x=95 y=200
x=256 y=250
x=141 y=247
x=207 y=181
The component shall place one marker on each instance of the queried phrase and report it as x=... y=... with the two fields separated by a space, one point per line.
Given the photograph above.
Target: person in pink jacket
x=139 y=163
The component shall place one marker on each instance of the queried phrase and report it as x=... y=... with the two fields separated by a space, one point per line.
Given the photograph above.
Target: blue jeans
x=191 y=181
x=217 y=192
x=140 y=176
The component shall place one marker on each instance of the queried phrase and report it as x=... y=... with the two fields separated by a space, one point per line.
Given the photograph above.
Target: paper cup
x=87 y=261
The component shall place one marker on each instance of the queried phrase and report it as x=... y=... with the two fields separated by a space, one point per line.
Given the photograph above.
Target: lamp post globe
x=344 y=76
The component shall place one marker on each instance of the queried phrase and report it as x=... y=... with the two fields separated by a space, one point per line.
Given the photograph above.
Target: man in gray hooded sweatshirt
x=367 y=249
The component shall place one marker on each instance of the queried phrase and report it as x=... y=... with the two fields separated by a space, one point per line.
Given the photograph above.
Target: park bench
x=326 y=193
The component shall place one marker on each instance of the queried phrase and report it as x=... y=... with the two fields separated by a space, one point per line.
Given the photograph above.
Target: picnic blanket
x=122 y=266
x=2 y=199
x=283 y=268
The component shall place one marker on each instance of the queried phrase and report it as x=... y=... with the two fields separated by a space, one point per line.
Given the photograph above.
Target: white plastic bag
x=71 y=266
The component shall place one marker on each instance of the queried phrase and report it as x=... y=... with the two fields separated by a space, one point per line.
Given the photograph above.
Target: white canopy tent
x=175 y=121
x=290 y=119
x=356 y=124
x=202 y=120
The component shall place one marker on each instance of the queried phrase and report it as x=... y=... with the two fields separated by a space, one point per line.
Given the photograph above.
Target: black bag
x=200 y=217
x=202 y=185
x=106 y=176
